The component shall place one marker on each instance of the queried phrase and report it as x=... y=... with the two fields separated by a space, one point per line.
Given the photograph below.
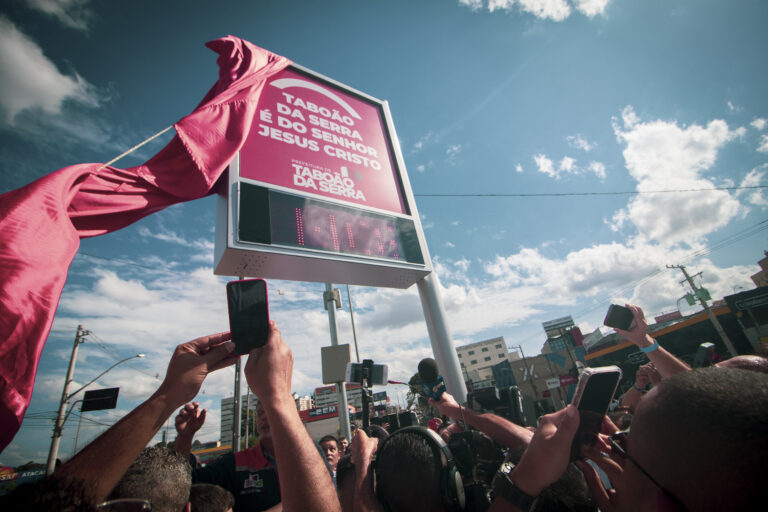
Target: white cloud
x=545 y=165
x=556 y=10
x=662 y=155
x=763 y=147
x=591 y=8
x=567 y=165
x=759 y=124
x=518 y=168
x=755 y=197
x=580 y=142
x=598 y=168
x=29 y=80
x=74 y=14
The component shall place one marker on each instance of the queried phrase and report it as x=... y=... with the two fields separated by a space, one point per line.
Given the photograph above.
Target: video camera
x=477 y=458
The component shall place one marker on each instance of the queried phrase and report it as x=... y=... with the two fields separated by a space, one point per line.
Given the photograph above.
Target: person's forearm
x=501 y=430
x=183 y=444
x=103 y=462
x=306 y=483
x=666 y=363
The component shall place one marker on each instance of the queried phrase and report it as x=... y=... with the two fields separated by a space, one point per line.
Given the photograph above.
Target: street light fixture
x=62 y=415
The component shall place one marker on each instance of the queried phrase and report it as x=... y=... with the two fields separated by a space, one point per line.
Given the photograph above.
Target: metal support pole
x=247 y=413
x=440 y=337
x=329 y=300
x=60 y=417
x=236 y=405
x=354 y=331
x=236 y=410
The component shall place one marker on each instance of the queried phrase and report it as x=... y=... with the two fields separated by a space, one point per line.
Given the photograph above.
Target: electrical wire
x=608 y=193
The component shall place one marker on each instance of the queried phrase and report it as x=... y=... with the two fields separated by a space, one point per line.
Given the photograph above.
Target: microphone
x=432 y=384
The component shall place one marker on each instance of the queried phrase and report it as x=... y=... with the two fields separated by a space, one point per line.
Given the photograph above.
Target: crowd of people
x=698 y=440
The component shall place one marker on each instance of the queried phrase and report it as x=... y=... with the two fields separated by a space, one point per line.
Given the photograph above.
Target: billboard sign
x=323 y=140
x=319 y=191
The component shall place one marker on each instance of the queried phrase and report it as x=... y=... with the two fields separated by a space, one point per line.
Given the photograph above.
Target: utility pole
x=332 y=302
x=60 y=417
x=712 y=317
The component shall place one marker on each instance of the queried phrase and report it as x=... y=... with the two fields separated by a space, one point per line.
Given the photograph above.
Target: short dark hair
x=50 y=493
x=569 y=492
x=707 y=428
x=327 y=438
x=408 y=473
x=210 y=498
x=159 y=475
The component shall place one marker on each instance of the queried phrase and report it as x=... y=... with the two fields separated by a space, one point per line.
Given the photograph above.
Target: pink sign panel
x=314 y=137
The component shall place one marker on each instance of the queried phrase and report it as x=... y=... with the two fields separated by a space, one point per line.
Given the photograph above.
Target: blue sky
x=561 y=97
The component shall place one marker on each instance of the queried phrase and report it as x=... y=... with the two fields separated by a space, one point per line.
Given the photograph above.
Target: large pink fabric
x=41 y=224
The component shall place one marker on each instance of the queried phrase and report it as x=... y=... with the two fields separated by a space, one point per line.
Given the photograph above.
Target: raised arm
x=304 y=480
x=665 y=363
x=103 y=462
x=543 y=462
x=497 y=428
x=189 y=420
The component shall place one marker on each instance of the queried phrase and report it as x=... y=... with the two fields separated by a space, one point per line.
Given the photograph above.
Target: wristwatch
x=503 y=486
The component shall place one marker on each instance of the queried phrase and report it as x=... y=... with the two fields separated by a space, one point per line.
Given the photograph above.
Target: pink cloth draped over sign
x=41 y=224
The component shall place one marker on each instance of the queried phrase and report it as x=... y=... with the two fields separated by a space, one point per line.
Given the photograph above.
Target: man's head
x=343 y=444
x=210 y=498
x=159 y=475
x=330 y=447
x=701 y=435
x=409 y=469
x=746 y=362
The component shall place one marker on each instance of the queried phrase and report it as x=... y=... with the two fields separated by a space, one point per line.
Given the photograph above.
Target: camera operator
x=568 y=492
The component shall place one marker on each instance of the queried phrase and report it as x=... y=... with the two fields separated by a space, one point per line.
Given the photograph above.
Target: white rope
x=134 y=148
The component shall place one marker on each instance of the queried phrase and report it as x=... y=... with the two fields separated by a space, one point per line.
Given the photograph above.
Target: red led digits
x=334 y=233
x=350 y=235
x=299 y=227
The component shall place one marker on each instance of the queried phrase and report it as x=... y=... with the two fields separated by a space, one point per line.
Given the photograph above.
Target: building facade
x=227 y=414
x=477 y=358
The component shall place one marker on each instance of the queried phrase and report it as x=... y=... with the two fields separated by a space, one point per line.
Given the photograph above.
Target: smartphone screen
x=248 y=314
x=595 y=398
x=619 y=317
x=378 y=377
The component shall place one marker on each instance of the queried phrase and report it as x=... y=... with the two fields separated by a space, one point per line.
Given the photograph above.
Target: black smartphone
x=593 y=396
x=248 y=314
x=378 y=377
x=619 y=317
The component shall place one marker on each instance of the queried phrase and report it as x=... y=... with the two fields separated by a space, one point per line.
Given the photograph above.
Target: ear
x=188 y=507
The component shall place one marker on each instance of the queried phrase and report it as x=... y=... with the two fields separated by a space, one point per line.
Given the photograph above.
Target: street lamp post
x=62 y=415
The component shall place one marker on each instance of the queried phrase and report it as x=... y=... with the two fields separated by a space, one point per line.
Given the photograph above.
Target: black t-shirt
x=248 y=475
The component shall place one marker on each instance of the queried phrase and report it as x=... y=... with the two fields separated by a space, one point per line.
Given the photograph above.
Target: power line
x=609 y=193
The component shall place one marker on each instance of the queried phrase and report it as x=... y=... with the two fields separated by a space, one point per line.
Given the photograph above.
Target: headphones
x=451 y=483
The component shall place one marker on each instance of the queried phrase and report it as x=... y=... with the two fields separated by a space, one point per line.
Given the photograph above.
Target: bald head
x=702 y=435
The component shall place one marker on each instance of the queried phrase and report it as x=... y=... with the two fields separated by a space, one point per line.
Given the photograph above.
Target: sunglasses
x=125 y=505
x=618 y=443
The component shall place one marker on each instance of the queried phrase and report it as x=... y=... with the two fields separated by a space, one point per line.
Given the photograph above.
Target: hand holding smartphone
x=248 y=314
x=593 y=396
x=619 y=317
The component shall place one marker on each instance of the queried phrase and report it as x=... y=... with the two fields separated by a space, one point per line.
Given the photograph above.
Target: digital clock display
x=276 y=218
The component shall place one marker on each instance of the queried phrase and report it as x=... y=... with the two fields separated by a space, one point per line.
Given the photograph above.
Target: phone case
x=240 y=348
x=584 y=378
x=618 y=317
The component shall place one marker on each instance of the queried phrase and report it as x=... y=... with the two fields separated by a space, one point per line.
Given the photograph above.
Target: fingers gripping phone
x=248 y=314
x=593 y=395
x=619 y=317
